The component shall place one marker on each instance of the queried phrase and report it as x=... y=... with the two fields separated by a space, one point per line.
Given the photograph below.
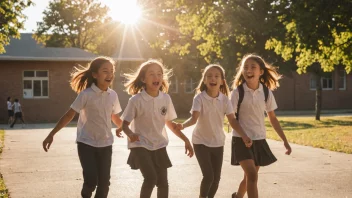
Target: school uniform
x=94 y=137
x=18 y=113
x=9 y=109
x=252 y=122
x=208 y=138
x=147 y=116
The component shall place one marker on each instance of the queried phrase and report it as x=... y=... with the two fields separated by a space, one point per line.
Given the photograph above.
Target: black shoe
x=234 y=195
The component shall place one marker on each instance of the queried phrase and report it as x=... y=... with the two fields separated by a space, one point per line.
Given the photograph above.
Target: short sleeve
x=229 y=108
x=270 y=103
x=234 y=99
x=197 y=104
x=171 y=113
x=117 y=107
x=80 y=102
x=130 y=111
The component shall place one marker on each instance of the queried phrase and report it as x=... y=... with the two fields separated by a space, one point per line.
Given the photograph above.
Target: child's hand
x=288 y=148
x=133 y=137
x=47 y=142
x=189 y=148
x=247 y=141
x=119 y=132
x=179 y=126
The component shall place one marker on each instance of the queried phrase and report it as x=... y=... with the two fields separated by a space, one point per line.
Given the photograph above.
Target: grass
x=331 y=133
x=3 y=189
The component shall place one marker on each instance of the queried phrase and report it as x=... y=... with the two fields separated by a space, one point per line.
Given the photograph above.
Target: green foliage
x=11 y=20
x=315 y=32
x=78 y=23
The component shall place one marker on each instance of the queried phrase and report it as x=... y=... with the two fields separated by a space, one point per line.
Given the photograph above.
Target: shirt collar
x=97 y=90
x=219 y=97
x=148 y=97
x=246 y=88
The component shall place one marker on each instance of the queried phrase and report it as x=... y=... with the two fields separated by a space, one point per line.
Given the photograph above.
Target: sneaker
x=234 y=195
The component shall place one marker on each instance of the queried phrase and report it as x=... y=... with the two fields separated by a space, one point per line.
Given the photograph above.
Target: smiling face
x=153 y=78
x=251 y=71
x=104 y=76
x=213 y=79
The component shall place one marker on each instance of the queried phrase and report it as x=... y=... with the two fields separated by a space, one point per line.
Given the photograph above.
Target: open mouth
x=108 y=80
x=250 y=76
x=212 y=84
x=156 y=83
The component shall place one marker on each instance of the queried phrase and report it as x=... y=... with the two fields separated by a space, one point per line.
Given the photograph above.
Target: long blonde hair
x=82 y=77
x=135 y=84
x=224 y=88
x=270 y=77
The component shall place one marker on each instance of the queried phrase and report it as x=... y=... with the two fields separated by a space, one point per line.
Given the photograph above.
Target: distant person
x=10 y=111
x=18 y=113
x=250 y=98
x=97 y=106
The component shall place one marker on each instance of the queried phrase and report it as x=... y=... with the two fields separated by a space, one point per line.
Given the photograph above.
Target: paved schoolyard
x=29 y=172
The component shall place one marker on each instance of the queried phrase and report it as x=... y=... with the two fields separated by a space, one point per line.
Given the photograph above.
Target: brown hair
x=82 y=78
x=224 y=88
x=135 y=84
x=270 y=77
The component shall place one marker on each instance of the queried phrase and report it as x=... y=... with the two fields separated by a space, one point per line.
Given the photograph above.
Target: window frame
x=35 y=78
x=174 y=81
x=344 y=79
x=312 y=78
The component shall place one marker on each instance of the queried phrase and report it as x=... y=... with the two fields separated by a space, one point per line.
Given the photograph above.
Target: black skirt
x=10 y=113
x=259 y=152
x=140 y=156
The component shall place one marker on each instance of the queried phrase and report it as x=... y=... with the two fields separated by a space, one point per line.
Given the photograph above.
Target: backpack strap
x=240 y=99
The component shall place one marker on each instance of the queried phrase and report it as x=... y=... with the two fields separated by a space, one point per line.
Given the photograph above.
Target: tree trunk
x=318 y=97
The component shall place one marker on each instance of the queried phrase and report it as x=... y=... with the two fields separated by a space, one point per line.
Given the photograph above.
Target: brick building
x=39 y=78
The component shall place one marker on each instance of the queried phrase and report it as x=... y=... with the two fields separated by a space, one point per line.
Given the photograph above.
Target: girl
x=254 y=73
x=97 y=106
x=18 y=113
x=209 y=107
x=9 y=110
x=149 y=110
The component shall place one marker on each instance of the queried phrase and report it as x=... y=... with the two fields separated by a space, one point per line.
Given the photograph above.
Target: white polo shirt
x=17 y=107
x=251 y=115
x=147 y=115
x=209 y=128
x=95 y=108
x=9 y=105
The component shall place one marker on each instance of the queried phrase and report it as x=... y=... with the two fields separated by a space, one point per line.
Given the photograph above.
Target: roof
x=27 y=49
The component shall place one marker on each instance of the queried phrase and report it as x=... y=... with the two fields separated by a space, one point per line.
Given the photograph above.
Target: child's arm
x=118 y=122
x=190 y=121
x=171 y=125
x=132 y=136
x=276 y=125
x=64 y=120
x=235 y=125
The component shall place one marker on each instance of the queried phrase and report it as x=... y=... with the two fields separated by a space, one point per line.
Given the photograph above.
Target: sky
x=35 y=13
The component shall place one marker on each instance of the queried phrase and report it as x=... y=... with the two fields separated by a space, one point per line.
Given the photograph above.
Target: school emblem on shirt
x=163 y=111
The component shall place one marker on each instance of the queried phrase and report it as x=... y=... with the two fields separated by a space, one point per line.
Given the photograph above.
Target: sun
x=126 y=11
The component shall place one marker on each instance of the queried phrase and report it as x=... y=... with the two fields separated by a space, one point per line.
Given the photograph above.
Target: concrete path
x=29 y=172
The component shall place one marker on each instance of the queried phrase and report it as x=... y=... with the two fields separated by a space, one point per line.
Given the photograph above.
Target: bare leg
x=242 y=189
x=251 y=178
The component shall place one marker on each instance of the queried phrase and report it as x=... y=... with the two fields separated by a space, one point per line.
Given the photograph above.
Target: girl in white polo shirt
x=209 y=108
x=97 y=106
x=10 y=111
x=253 y=75
x=148 y=110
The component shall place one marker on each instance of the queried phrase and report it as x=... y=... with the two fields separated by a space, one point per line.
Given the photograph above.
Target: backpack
x=241 y=95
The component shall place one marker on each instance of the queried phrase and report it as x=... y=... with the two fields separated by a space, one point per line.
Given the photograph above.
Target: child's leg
x=242 y=189
x=104 y=166
x=204 y=160
x=251 y=177
x=216 y=160
x=87 y=157
x=162 y=183
x=14 y=121
x=149 y=173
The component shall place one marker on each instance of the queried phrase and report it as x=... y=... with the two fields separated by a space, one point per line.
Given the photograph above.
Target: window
x=342 y=79
x=189 y=85
x=326 y=82
x=35 y=84
x=173 y=85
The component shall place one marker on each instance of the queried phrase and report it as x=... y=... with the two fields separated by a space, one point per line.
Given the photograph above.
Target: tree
x=11 y=20
x=78 y=23
x=317 y=36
